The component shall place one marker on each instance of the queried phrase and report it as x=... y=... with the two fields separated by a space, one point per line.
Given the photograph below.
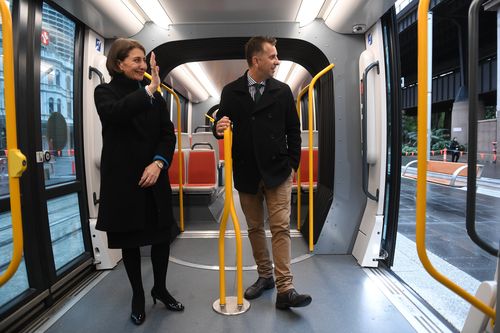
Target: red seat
x=304 y=169
x=221 y=149
x=173 y=171
x=201 y=172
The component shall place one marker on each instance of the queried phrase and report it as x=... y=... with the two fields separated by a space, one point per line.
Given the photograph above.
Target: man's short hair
x=119 y=51
x=255 y=45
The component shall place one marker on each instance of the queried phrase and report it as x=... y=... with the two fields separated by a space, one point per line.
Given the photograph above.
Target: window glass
x=57 y=65
x=19 y=282
x=65 y=228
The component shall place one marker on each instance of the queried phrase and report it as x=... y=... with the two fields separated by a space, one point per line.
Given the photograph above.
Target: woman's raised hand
x=155 y=74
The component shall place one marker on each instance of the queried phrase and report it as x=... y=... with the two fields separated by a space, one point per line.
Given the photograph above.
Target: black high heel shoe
x=138 y=315
x=170 y=303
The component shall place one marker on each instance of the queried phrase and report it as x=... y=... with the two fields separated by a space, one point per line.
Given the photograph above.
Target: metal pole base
x=231 y=308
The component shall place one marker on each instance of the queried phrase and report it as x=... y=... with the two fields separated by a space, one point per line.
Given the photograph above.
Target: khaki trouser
x=278 y=206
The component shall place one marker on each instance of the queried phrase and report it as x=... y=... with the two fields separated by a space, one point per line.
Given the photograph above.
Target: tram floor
x=345 y=299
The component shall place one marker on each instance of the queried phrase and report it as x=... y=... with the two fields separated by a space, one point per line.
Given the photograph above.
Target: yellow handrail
x=310 y=125
x=16 y=160
x=179 y=150
x=299 y=195
x=229 y=208
x=423 y=8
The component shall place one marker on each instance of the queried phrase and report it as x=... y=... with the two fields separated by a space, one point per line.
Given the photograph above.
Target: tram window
x=65 y=228
x=19 y=282
x=57 y=60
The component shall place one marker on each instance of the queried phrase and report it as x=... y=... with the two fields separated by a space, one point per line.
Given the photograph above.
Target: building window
x=58 y=77
x=51 y=105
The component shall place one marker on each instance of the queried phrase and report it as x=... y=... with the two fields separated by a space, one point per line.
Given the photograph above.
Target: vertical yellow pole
x=16 y=160
x=179 y=150
x=423 y=8
x=310 y=124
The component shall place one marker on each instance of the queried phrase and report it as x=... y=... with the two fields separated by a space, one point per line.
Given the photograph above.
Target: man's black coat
x=266 y=135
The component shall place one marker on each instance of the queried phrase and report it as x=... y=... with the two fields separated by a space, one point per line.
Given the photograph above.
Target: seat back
x=221 y=149
x=186 y=141
x=201 y=171
x=173 y=170
x=304 y=136
x=304 y=165
x=205 y=137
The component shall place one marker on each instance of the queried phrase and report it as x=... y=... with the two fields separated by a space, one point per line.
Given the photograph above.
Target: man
x=454 y=147
x=266 y=151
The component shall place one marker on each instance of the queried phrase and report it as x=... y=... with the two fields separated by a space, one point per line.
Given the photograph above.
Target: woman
x=138 y=144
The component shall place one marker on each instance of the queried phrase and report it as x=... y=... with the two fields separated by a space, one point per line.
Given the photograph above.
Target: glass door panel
x=65 y=229
x=57 y=134
x=19 y=282
x=56 y=95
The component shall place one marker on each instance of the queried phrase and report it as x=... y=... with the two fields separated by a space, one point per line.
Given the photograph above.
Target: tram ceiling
x=124 y=18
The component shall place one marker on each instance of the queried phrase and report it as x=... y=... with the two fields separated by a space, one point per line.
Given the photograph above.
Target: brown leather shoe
x=256 y=289
x=292 y=299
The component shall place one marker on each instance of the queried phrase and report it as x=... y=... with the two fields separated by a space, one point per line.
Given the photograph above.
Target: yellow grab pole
x=423 y=8
x=310 y=125
x=220 y=306
x=299 y=195
x=16 y=160
x=179 y=150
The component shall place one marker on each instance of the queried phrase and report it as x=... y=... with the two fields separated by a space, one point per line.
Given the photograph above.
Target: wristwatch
x=159 y=164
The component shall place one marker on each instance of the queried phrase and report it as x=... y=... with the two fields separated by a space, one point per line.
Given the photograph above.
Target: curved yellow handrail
x=16 y=160
x=310 y=125
x=179 y=150
x=299 y=195
x=229 y=208
x=423 y=8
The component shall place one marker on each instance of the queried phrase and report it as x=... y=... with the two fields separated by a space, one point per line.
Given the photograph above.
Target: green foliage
x=490 y=112
x=440 y=137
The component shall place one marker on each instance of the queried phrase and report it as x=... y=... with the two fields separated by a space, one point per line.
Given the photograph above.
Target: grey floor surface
x=344 y=300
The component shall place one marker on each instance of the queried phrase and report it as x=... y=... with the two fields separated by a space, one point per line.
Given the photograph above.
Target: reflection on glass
x=19 y=282
x=65 y=228
x=56 y=95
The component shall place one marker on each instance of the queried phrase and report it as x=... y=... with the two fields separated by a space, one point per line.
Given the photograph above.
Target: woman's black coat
x=266 y=135
x=135 y=128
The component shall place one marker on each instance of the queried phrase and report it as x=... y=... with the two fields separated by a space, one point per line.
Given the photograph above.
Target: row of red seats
x=199 y=171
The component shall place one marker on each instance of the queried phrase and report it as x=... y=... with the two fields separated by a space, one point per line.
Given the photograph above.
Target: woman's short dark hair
x=255 y=45
x=119 y=51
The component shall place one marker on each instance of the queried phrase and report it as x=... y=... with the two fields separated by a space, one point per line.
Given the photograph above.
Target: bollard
x=494 y=144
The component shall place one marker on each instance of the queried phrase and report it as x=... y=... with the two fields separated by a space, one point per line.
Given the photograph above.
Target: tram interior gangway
x=345 y=297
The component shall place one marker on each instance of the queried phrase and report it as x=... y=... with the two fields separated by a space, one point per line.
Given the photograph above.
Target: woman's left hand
x=150 y=175
x=155 y=72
